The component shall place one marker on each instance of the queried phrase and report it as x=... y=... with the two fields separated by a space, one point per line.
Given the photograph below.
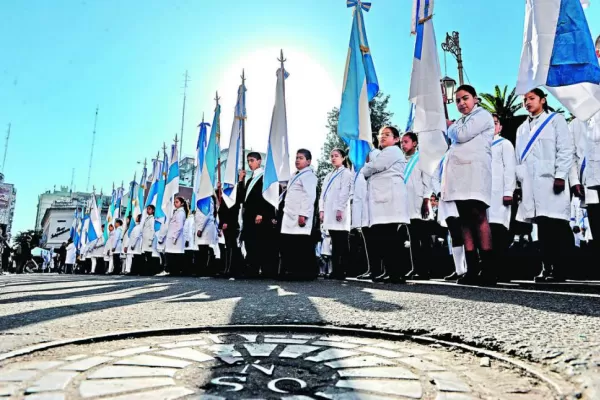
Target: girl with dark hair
x=545 y=154
x=175 y=243
x=418 y=185
x=388 y=209
x=334 y=211
x=467 y=182
x=205 y=235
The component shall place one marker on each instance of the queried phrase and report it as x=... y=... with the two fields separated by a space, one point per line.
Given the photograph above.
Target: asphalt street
x=557 y=330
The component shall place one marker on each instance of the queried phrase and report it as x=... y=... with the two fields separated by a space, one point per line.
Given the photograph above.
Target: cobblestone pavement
x=557 y=330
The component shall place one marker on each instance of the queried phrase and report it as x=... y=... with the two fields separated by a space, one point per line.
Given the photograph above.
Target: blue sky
x=62 y=58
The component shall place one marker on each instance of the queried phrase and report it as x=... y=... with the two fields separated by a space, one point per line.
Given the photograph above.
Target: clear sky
x=62 y=58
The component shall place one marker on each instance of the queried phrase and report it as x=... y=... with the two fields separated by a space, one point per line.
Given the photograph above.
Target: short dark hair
x=254 y=154
x=119 y=221
x=394 y=130
x=542 y=95
x=413 y=136
x=138 y=218
x=306 y=153
x=151 y=206
x=344 y=155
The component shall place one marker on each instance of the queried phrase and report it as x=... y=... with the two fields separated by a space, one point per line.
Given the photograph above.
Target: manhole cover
x=262 y=366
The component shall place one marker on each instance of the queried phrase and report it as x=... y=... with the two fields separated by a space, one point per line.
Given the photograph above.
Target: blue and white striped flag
x=207 y=157
x=171 y=182
x=230 y=179
x=559 y=54
x=360 y=87
x=429 y=116
x=95 y=229
x=277 y=166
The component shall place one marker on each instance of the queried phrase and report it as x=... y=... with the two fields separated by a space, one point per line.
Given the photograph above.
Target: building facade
x=8 y=200
x=57 y=222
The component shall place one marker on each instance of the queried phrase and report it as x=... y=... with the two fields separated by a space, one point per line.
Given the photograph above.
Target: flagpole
x=243 y=117
x=218 y=128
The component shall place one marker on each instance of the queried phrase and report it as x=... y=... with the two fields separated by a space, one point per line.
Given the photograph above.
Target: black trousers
x=298 y=257
x=358 y=256
x=150 y=265
x=340 y=249
x=175 y=263
x=202 y=260
x=593 y=211
x=387 y=250
x=556 y=245
x=100 y=266
x=68 y=268
x=421 y=246
x=500 y=243
x=188 y=263
x=117 y=264
x=233 y=253
x=137 y=264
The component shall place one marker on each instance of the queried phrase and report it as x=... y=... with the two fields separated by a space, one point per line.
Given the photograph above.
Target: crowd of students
x=391 y=221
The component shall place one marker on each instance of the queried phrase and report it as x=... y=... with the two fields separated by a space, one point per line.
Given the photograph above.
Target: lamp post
x=448 y=86
x=452 y=46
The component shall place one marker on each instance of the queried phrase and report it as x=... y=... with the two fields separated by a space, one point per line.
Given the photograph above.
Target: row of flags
x=558 y=53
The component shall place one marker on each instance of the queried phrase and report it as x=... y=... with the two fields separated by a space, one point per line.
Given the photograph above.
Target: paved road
x=556 y=329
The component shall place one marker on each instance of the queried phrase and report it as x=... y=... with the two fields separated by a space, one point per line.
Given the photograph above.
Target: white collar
x=257 y=172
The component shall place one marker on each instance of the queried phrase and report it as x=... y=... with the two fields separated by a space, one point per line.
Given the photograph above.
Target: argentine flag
x=235 y=150
x=95 y=229
x=558 y=53
x=154 y=178
x=73 y=231
x=171 y=182
x=140 y=199
x=427 y=112
x=360 y=87
x=207 y=157
x=277 y=168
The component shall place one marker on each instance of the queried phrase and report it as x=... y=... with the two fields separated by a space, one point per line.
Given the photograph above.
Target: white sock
x=460 y=261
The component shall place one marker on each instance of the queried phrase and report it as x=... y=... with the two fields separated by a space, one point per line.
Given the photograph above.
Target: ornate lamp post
x=452 y=46
x=448 y=87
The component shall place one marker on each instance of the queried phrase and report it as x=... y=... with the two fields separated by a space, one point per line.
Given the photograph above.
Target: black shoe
x=418 y=277
x=365 y=276
x=467 y=279
x=411 y=274
x=487 y=278
x=453 y=277
x=381 y=278
x=555 y=279
x=397 y=280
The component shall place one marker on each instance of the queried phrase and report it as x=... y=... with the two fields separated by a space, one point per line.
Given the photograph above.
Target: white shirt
x=148 y=233
x=71 y=254
x=360 y=202
x=135 y=240
x=174 y=240
x=503 y=180
x=300 y=201
x=418 y=187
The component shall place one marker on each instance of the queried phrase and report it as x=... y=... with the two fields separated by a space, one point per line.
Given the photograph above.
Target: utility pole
x=218 y=134
x=452 y=46
x=87 y=187
x=185 y=86
x=6 y=148
x=72 y=180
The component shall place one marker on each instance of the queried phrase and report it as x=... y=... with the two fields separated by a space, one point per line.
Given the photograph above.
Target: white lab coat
x=300 y=201
x=587 y=142
x=208 y=226
x=99 y=247
x=418 y=187
x=117 y=241
x=360 y=202
x=148 y=233
x=188 y=233
x=551 y=156
x=71 y=254
x=135 y=240
x=468 y=172
x=335 y=196
x=388 y=199
x=503 y=180
x=174 y=240
x=446 y=209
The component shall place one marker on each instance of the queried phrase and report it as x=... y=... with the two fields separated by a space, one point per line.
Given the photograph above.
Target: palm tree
x=502 y=105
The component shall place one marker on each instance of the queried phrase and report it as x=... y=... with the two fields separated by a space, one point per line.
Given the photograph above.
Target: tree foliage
x=380 y=116
x=35 y=236
x=501 y=104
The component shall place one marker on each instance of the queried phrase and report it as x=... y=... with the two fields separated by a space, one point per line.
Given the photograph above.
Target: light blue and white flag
x=110 y=219
x=277 y=166
x=140 y=200
x=559 y=54
x=152 y=197
x=235 y=150
x=161 y=214
x=171 y=182
x=118 y=202
x=73 y=230
x=360 y=87
x=207 y=155
x=85 y=226
x=95 y=229
x=429 y=116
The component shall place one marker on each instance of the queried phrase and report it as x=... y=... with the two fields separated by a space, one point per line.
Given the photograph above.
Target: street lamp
x=452 y=46
x=448 y=86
